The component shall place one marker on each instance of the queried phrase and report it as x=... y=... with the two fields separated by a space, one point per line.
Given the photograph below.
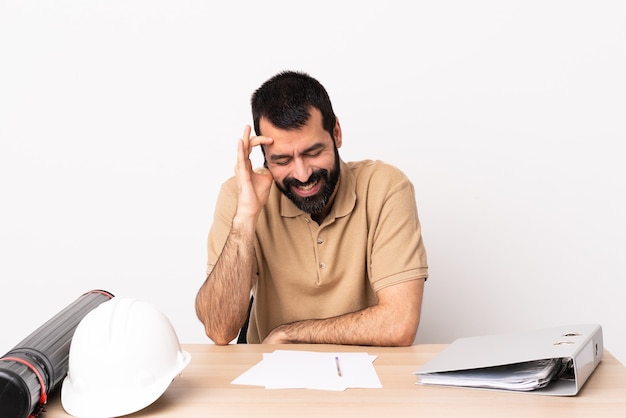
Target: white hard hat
x=123 y=356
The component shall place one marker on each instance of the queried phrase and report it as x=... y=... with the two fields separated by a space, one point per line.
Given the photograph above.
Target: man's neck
x=319 y=217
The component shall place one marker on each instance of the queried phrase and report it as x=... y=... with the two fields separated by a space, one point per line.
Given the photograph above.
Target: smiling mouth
x=308 y=189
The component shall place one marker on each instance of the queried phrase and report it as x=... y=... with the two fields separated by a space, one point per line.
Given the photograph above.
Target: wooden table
x=204 y=389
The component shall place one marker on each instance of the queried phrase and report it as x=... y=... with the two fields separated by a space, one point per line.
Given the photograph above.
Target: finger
x=260 y=140
x=243 y=160
x=246 y=133
x=246 y=139
x=240 y=152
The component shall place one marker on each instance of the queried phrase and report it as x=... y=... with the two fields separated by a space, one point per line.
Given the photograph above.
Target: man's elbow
x=404 y=339
x=405 y=342
x=405 y=334
x=219 y=338
x=218 y=334
x=221 y=341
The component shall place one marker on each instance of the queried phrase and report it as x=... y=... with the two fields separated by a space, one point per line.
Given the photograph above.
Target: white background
x=119 y=121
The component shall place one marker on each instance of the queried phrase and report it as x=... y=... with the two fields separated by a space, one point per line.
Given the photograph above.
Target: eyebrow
x=312 y=148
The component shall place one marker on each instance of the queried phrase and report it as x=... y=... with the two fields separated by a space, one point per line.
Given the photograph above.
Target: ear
x=337 y=134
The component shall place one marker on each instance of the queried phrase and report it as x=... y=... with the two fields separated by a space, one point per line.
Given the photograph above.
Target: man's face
x=304 y=162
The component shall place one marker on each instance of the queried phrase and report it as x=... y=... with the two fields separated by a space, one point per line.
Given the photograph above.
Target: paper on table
x=285 y=369
x=524 y=376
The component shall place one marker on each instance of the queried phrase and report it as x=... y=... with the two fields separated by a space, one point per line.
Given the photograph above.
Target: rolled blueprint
x=37 y=365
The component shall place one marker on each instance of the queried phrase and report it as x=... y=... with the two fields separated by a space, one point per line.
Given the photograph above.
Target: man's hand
x=276 y=337
x=254 y=186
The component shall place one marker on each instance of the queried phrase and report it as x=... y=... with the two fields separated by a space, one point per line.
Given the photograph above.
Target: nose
x=301 y=171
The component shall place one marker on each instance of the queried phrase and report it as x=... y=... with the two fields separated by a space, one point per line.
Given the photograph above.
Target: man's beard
x=316 y=203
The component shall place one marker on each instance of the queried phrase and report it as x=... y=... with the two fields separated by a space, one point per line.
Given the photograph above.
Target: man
x=331 y=251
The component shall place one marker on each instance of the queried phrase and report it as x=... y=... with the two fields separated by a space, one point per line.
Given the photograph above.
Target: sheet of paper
x=287 y=369
x=524 y=376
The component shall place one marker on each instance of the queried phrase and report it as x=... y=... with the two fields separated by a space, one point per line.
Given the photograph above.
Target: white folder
x=580 y=347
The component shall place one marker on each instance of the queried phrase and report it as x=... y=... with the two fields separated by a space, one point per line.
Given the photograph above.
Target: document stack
x=550 y=361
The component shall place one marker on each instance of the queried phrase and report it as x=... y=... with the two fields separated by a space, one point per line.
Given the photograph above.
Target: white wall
x=118 y=122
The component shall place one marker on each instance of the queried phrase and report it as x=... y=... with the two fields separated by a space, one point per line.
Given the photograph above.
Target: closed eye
x=313 y=154
x=283 y=161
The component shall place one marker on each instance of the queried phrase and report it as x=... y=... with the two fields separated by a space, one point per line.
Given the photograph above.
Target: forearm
x=222 y=301
x=358 y=328
x=392 y=322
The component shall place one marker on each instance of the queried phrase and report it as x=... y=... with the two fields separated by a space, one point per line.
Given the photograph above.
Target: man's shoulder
x=229 y=184
x=376 y=170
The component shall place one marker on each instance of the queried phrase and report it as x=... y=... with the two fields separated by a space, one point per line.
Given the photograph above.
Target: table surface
x=204 y=389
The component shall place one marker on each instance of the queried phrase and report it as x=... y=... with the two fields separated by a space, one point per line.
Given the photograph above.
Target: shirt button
x=322 y=265
x=319 y=240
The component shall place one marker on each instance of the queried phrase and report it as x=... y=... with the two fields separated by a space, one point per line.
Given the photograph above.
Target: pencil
x=338 y=368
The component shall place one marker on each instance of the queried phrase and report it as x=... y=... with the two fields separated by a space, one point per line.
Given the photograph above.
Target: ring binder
x=482 y=361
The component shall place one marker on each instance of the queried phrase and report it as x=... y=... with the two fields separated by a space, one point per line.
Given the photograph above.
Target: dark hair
x=285 y=101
